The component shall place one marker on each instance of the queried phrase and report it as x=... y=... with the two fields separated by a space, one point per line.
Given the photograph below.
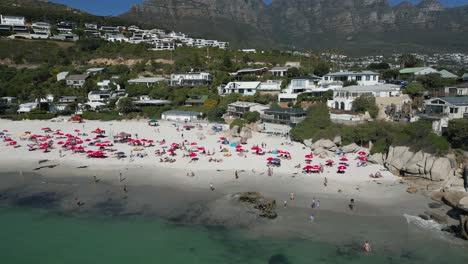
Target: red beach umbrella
x=362 y=158
x=316 y=167
x=308 y=167
x=344 y=159
x=60 y=143
x=309 y=156
x=193 y=155
x=12 y=143
x=329 y=161
x=270 y=159
x=171 y=150
x=342 y=168
x=362 y=153
x=193 y=144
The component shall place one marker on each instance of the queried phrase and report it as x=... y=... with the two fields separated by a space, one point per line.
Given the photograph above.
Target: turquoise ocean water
x=39 y=236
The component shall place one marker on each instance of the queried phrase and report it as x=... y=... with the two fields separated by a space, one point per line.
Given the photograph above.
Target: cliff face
x=308 y=23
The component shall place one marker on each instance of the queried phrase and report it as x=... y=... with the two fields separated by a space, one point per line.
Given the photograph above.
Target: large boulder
x=246 y=133
x=401 y=156
x=324 y=143
x=337 y=140
x=351 y=148
x=463 y=204
x=416 y=164
x=308 y=143
x=441 y=169
x=428 y=164
x=377 y=158
x=234 y=131
x=453 y=198
x=321 y=152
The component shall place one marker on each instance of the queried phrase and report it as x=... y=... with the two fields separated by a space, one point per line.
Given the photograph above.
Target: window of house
x=326 y=78
x=453 y=110
x=368 y=77
x=359 y=78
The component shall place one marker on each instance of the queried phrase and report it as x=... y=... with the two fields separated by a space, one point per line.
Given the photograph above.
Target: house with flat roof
x=441 y=110
x=191 y=79
x=343 y=98
x=27 y=107
x=12 y=20
x=299 y=85
x=239 y=108
x=145 y=100
x=284 y=116
x=279 y=71
x=361 y=77
x=272 y=87
x=180 y=116
x=196 y=100
x=76 y=80
x=457 y=90
x=417 y=71
x=244 y=88
x=148 y=81
x=100 y=96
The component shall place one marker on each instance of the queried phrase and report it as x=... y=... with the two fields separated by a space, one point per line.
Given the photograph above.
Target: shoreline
x=165 y=191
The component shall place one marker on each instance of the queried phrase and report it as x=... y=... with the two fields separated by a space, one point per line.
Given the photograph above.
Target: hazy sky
x=115 y=7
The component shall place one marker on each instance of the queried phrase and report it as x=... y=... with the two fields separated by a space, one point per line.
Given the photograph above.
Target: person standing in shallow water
x=367 y=247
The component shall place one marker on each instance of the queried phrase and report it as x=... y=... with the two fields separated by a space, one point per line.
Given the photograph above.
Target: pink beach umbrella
x=193 y=144
x=329 y=161
x=77 y=130
x=343 y=159
x=316 y=167
x=362 y=158
x=60 y=143
x=341 y=168
x=362 y=153
x=308 y=167
x=309 y=156
x=270 y=159
x=193 y=155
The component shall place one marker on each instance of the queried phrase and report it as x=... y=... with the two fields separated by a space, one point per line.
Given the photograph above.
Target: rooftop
x=447 y=74
x=458 y=100
x=95 y=69
x=285 y=110
x=342 y=73
x=412 y=70
x=147 y=80
x=243 y=104
x=280 y=69
x=77 y=77
x=369 y=88
x=243 y=85
x=181 y=113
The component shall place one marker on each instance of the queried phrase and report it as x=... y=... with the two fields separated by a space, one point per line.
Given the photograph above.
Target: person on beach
x=291 y=196
x=285 y=203
x=313 y=203
x=367 y=247
x=351 y=204
x=125 y=189
x=325 y=182
x=212 y=187
x=317 y=204
x=312 y=218
x=236 y=175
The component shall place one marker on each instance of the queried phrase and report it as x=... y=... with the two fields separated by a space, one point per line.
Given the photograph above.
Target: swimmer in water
x=367 y=247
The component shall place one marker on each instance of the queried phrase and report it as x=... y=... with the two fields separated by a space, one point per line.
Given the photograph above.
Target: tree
x=434 y=81
x=227 y=62
x=293 y=72
x=125 y=105
x=252 y=117
x=457 y=133
x=322 y=68
x=366 y=103
x=215 y=114
x=379 y=66
x=414 y=89
x=409 y=60
x=390 y=74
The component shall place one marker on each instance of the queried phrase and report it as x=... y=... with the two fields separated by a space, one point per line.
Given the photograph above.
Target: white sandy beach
x=252 y=169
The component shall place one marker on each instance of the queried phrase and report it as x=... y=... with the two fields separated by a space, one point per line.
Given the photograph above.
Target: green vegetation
x=457 y=133
x=414 y=89
x=238 y=122
x=418 y=135
x=251 y=117
x=366 y=103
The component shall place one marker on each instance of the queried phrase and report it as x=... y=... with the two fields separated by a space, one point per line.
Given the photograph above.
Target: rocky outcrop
x=463 y=204
x=453 y=198
x=246 y=133
x=351 y=148
x=265 y=206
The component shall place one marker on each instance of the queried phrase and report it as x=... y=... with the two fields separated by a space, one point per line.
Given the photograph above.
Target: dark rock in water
x=269 y=214
x=464 y=226
x=39 y=200
x=278 y=259
x=435 y=205
x=424 y=216
x=438 y=217
x=449 y=229
x=266 y=205
x=250 y=197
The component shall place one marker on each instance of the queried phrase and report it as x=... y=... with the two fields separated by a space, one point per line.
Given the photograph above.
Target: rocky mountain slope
x=350 y=25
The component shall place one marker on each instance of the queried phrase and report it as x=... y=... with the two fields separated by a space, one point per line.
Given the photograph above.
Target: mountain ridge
x=347 y=25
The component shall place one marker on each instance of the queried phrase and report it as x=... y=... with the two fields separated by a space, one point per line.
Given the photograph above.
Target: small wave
x=424 y=224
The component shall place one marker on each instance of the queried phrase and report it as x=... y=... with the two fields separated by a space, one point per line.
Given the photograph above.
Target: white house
x=180 y=116
x=417 y=71
x=441 y=110
x=27 y=107
x=100 y=96
x=164 y=45
x=457 y=90
x=190 y=79
x=244 y=88
x=62 y=76
x=41 y=28
x=115 y=37
x=279 y=71
x=270 y=87
x=12 y=20
x=76 y=80
x=105 y=85
x=239 y=108
x=145 y=100
x=94 y=71
x=148 y=81
x=343 y=98
x=361 y=77
x=299 y=85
